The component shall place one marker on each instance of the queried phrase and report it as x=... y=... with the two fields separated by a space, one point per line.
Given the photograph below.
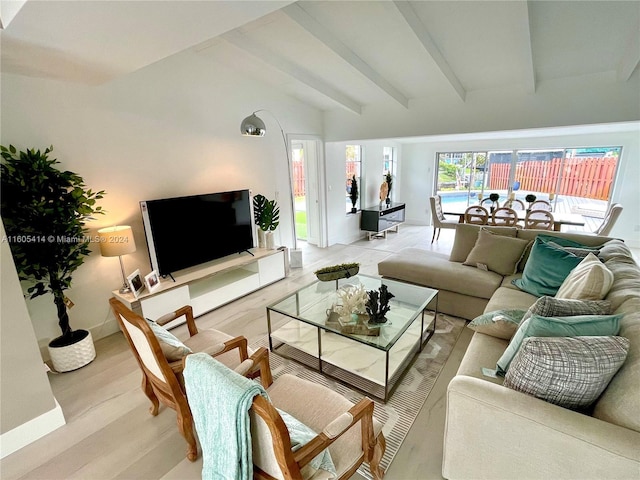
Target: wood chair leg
x=438 y=237
x=185 y=426
x=434 y=234
x=148 y=391
x=378 y=452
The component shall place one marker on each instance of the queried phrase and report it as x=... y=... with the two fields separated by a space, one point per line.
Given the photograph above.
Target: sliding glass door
x=573 y=180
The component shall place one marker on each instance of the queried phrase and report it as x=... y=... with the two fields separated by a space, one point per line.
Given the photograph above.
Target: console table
x=378 y=220
x=210 y=285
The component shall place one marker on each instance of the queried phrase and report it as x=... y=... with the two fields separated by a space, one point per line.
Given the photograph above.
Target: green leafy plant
x=494 y=197
x=266 y=213
x=530 y=198
x=44 y=211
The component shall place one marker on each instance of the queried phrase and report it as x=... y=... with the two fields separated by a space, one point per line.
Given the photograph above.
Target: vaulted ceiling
x=334 y=54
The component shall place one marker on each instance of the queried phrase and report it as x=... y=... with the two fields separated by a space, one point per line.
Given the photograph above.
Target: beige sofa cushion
x=495 y=252
x=590 y=280
x=427 y=268
x=467 y=235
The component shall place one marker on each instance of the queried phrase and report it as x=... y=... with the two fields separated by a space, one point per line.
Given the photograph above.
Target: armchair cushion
x=300 y=434
x=317 y=406
x=172 y=348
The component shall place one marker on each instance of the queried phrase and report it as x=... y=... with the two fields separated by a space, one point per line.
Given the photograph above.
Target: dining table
x=559 y=218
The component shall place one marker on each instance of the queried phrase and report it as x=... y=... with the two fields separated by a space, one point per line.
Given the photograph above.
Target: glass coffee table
x=373 y=364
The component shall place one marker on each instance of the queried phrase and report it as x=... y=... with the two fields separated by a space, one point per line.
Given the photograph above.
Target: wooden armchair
x=539 y=220
x=162 y=380
x=477 y=215
x=505 y=217
x=348 y=431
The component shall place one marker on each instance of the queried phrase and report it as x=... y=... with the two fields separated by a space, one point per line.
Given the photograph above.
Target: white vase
x=74 y=356
x=269 y=241
x=261 y=240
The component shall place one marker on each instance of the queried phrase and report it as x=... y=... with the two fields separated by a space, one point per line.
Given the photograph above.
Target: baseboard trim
x=30 y=431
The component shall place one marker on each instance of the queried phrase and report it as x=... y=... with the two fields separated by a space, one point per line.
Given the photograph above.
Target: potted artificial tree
x=267 y=216
x=353 y=194
x=44 y=212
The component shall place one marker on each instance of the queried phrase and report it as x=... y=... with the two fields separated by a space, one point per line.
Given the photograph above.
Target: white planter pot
x=261 y=239
x=270 y=242
x=72 y=357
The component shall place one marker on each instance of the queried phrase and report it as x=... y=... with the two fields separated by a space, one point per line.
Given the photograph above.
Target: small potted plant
x=270 y=220
x=353 y=194
x=259 y=202
x=44 y=211
x=530 y=199
x=494 y=197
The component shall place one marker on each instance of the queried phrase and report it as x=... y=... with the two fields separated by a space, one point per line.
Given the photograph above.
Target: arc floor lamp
x=253 y=126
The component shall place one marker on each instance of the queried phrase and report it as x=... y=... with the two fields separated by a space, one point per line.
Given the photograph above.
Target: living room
x=166 y=123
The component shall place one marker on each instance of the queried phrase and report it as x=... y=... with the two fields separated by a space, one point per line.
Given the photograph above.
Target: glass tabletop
x=311 y=303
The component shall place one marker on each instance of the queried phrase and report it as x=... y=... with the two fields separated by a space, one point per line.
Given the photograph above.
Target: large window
x=354 y=168
x=573 y=180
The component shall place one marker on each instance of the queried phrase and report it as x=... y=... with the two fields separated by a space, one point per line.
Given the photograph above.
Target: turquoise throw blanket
x=220 y=400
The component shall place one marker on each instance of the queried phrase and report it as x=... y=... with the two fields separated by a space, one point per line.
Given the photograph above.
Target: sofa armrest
x=494 y=432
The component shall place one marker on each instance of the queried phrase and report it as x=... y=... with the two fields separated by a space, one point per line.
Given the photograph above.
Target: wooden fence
x=581 y=177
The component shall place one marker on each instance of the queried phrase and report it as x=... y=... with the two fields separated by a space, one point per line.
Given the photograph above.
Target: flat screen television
x=183 y=232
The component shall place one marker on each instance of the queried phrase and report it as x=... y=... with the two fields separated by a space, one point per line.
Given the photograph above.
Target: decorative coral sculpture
x=353 y=298
x=378 y=304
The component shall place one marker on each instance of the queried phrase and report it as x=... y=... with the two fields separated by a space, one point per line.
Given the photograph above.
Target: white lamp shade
x=116 y=241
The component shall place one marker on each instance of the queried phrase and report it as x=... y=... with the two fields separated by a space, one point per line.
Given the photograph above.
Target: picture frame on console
x=152 y=281
x=136 y=284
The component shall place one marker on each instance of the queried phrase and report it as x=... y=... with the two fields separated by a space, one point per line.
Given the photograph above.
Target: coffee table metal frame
x=411 y=299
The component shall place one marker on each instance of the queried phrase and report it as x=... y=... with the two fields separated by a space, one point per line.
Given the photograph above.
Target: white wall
x=170 y=129
x=418 y=165
x=345 y=227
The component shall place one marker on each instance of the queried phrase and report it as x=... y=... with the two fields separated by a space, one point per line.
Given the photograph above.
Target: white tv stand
x=210 y=285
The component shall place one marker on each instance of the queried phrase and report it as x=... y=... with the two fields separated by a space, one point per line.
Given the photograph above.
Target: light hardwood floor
x=110 y=435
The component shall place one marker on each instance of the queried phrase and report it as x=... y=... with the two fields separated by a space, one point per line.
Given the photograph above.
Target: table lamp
x=115 y=242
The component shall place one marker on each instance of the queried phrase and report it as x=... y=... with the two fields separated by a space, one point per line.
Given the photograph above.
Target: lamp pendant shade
x=116 y=241
x=252 y=126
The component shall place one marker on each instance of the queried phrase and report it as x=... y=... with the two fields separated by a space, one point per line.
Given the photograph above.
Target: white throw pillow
x=590 y=280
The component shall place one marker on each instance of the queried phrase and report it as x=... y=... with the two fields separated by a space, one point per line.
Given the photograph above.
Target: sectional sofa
x=494 y=432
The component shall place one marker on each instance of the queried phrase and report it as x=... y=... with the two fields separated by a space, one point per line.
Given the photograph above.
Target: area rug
x=400 y=411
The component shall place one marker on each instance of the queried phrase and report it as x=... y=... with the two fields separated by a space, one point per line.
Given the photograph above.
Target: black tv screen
x=183 y=232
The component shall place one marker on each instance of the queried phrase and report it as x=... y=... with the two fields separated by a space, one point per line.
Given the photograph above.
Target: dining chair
x=505 y=217
x=160 y=359
x=515 y=204
x=609 y=220
x=477 y=215
x=438 y=218
x=495 y=205
x=538 y=220
x=281 y=413
x=540 y=205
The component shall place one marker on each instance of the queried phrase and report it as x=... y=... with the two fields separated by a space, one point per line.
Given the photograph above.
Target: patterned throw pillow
x=568 y=371
x=172 y=348
x=538 y=326
x=500 y=324
x=590 y=280
x=564 y=307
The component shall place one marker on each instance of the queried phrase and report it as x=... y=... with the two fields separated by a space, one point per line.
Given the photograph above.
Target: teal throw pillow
x=500 y=323
x=537 y=326
x=563 y=242
x=171 y=346
x=546 y=269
